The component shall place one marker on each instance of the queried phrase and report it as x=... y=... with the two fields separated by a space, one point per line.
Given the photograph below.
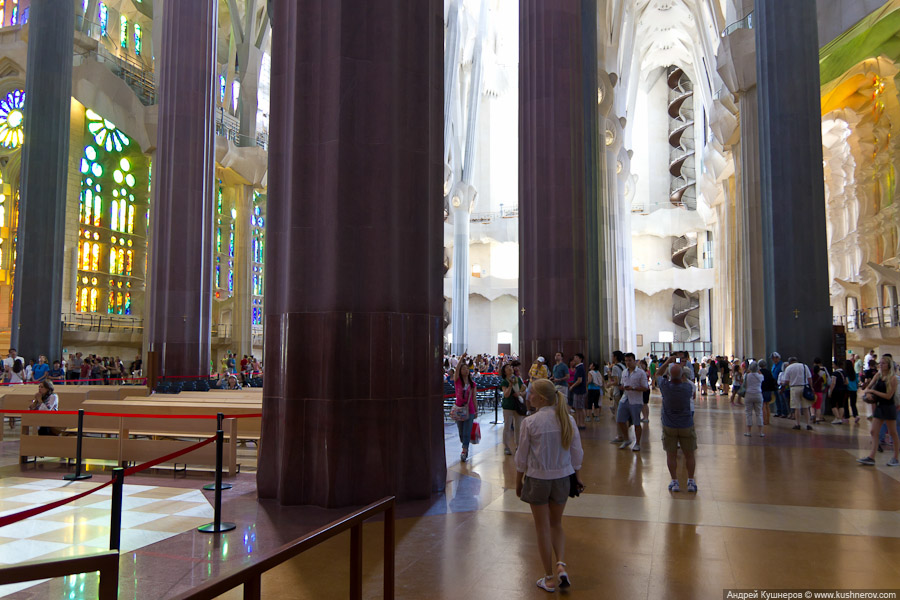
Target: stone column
x=180 y=297
x=242 y=305
x=797 y=301
x=37 y=295
x=352 y=407
x=752 y=316
x=552 y=238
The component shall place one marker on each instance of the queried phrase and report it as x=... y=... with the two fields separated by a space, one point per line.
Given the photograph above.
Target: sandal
x=564 y=581
x=542 y=583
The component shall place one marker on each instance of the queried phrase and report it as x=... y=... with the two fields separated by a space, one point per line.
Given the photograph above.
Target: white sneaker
x=636 y=448
x=624 y=445
x=837 y=422
x=893 y=462
x=674 y=487
x=692 y=485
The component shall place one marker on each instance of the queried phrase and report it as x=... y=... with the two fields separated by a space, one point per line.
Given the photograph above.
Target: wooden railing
x=251 y=577
x=105 y=562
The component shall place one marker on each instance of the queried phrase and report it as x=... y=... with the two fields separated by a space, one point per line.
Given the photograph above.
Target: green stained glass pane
x=97 y=170
x=125 y=165
x=118 y=176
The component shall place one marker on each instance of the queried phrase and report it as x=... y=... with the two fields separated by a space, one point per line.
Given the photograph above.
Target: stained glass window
x=138 y=39
x=2 y=13
x=12 y=119
x=123 y=31
x=257 y=256
x=104 y=19
x=112 y=168
x=221 y=89
x=235 y=94
x=14 y=20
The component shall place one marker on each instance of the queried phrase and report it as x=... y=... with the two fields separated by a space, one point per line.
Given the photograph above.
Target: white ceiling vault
x=650 y=35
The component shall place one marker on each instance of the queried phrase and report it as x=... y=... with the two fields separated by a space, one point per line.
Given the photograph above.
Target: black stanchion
x=496 y=420
x=218 y=485
x=115 y=514
x=78 y=474
x=217 y=526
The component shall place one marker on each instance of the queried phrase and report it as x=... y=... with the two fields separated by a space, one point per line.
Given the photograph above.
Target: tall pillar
x=37 y=295
x=552 y=238
x=353 y=271
x=180 y=297
x=752 y=316
x=242 y=300
x=797 y=301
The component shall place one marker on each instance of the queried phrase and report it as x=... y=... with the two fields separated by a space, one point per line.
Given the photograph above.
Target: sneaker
x=507 y=451
x=624 y=445
x=636 y=448
x=809 y=428
x=746 y=434
x=762 y=435
x=645 y=420
x=692 y=485
x=893 y=463
x=616 y=441
x=837 y=422
x=674 y=487
x=795 y=427
x=866 y=461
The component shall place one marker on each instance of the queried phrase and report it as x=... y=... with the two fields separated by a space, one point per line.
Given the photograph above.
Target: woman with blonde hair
x=549 y=454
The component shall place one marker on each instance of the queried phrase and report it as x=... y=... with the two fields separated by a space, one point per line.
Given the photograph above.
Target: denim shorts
x=627 y=410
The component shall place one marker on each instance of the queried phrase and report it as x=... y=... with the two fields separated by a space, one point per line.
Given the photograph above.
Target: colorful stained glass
x=95 y=294
x=105 y=133
x=138 y=39
x=3 y=12
x=221 y=91
x=219 y=239
x=12 y=119
x=14 y=19
x=95 y=257
x=104 y=19
x=123 y=31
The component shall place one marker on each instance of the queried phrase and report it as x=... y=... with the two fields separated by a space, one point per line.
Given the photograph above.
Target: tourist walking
x=880 y=394
x=513 y=405
x=465 y=396
x=852 y=388
x=549 y=454
x=594 y=393
x=632 y=383
x=753 y=399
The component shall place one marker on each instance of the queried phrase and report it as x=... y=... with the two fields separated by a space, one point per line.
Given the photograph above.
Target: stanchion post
x=217 y=526
x=115 y=514
x=78 y=474
x=218 y=484
x=496 y=420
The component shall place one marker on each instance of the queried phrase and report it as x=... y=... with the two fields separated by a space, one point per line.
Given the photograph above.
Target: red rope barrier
x=19 y=516
x=167 y=457
x=135 y=415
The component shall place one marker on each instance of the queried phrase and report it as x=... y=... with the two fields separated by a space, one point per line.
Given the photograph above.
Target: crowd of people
x=547 y=407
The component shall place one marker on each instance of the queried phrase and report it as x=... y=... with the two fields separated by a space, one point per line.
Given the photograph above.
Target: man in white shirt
x=614 y=375
x=797 y=375
x=632 y=382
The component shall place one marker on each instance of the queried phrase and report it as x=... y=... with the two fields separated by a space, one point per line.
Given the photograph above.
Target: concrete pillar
x=180 y=297
x=353 y=271
x=37 y=295
x=552 y=237
x=242 y=305
x=797 y=303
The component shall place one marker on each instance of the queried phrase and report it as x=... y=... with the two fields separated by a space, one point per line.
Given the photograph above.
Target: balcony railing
x=100 y=323
x=485 y=218
x=745 y=23
x=867 y=318
x=229 y=126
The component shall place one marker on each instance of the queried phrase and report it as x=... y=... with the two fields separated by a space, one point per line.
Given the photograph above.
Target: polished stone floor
x=791 y=510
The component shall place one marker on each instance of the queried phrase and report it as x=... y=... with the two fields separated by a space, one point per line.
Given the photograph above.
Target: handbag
x=574 y=488
x=521 y=409
x=742 y=391
x=460 y=413
x=476 y=433
x=808 y=394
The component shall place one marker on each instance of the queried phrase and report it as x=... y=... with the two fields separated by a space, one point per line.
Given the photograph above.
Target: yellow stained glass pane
x=112 y=262
x=115 y=215
x=94 y=295
x=95 y=257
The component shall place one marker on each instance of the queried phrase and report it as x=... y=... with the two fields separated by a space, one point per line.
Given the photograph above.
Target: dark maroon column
x=352 y=397
x=180 y=278
x=552 y=237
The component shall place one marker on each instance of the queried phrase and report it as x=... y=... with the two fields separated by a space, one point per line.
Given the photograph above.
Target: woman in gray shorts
x=549 y=452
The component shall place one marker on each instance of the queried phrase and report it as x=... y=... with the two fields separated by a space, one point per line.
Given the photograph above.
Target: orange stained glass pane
x=94 y=295
x=95 y=257
x=112 y=261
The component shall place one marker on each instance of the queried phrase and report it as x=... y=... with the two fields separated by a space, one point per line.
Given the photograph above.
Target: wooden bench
x=155 y=434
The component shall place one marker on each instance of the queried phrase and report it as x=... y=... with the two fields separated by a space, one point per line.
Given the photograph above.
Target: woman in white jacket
x=549 y=453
